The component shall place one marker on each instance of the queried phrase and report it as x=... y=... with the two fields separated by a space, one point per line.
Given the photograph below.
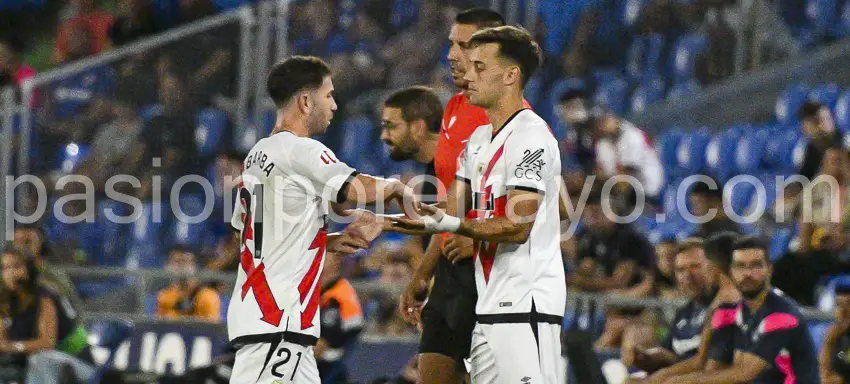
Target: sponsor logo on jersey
x=530 y=166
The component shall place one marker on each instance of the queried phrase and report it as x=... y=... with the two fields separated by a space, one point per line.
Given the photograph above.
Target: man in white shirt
x=288 y=179
x=624 y=149
x=509 y=175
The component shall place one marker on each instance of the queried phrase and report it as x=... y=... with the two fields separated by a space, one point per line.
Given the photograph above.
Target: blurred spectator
x=784 y=212
x=665 y=285
x=226 y=258
x=13 y=70
x=40 y=330
x=186 y=297
x=170 y=135
x=342 y=322
x=599 y=40
x=819 y=126
x=704 y=199
x=116 y=147
x=414 y=51
x=32 y=239
x=823 y=236
x=137 y=21
x=575 y=112
x=834 y=366
x=624 y=149
x=89 y=24
x=612 y=258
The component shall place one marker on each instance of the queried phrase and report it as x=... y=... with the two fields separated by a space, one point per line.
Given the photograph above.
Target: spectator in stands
x=32 y=239
x=703 y=199
x=88 y=23
x=117 y=144
x=137 y=21
x=39 y=327
x=342 y=322
x=187 y=297
x=823 y=236
x=13 y=70
x=611 y=258
x=834 y=365
x=575 y=112
x=783 y=213
x=624 y=149
x=166 y=134
x=819 y=125
x=665 y=280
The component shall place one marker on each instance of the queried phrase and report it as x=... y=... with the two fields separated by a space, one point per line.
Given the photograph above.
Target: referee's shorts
x=447 y=326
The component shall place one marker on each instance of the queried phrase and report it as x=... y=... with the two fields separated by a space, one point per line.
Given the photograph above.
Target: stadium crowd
x=140 y=117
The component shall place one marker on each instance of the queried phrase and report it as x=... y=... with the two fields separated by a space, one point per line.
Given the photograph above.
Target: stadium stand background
x=124 y=81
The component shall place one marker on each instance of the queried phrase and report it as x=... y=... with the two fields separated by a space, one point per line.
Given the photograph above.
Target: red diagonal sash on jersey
x=256 y=280
x=483 y=250
x=319 y=242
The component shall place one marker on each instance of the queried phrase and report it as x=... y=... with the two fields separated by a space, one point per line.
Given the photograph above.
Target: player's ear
x=304 y=102
x=512 y=75
x=418 y=128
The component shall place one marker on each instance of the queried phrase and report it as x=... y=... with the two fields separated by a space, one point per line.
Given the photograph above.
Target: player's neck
x=506 y=107
x=755 y=303
x=291 y=124
x=428 y=149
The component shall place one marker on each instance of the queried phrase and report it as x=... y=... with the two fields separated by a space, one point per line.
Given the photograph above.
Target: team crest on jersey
x=531 y=165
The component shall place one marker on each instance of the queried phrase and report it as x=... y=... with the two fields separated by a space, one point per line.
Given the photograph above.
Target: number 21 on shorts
x=279 y=369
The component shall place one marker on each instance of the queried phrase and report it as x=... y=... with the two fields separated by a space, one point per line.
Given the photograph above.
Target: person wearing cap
x=576 y=114
x=835 y=352
x=624 y=149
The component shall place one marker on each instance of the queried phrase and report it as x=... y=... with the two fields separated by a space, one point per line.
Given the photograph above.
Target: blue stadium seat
x=789 y=101
x=821 y=16
x=682 y=89
x=690 y=155
x=779 y=150
x=612 y=95
x=562 y=86
x=404 y=13
x=645 y=95
x=667 y=144
x=605 y=74
x=720 y=156
x=72 y=156
x=534 y=90
x=826 y=301
x=223 y=5
x=842 y=111
x=683 y=55
x=842 y=26
x=108 y=335
x=358 y=134
x=750 y=151
x=644 y=56
x=184 y=233
x=104 y=239
x=798 y=154
x=739 y=197
x=144 y=256
x=826 y=94
x=818 y=331
x=779 y=242
x=210 y=125
x=630 y=11
x=150 y=111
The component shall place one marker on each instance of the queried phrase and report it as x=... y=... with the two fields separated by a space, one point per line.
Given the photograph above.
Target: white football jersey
x=280 y=213
x=522 y=155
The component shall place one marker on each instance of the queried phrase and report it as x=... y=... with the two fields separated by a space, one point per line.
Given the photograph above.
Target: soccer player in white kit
x=510 y=175
x=288 y=180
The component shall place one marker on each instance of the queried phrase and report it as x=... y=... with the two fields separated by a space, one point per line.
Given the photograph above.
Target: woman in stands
x=39 y=328
x=835 y=351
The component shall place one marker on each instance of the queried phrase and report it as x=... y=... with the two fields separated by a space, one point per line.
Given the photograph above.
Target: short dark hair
x=515 y=44
x=290 y=76
x=690 y=243
x=480 y=17
x=718 y=249
x=702 y=189
x=573 y=94
x=750 y=242
x=418 y=102
x=809 y=109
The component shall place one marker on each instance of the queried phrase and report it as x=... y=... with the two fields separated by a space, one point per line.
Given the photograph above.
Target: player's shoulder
x=531 y=124
x=725 y=315
x=778 y=302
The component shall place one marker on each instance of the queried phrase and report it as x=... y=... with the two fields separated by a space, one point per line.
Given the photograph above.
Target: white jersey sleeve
x=529 y=161
x=238 y=211
x=462 y=161
x=606 y=157
x=327 y=174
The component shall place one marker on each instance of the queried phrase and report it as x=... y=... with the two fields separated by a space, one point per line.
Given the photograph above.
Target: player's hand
x=411 y=301
x=406 y=199
x=458 y=248
x=366 y=225
x=345 y=243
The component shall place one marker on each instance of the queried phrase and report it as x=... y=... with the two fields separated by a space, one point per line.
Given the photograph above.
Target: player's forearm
x=496 y=230
x=683 y=367
x=366 y=189
x=429 y=261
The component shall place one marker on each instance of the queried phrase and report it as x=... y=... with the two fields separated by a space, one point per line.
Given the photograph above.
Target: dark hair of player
x=718 y=249
x=480 y=18
x=515 y=44
x=690 y=243
x=703 y=189
x=750 y=242
x=809 y=109
x=417 y=103
x=294 y=74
